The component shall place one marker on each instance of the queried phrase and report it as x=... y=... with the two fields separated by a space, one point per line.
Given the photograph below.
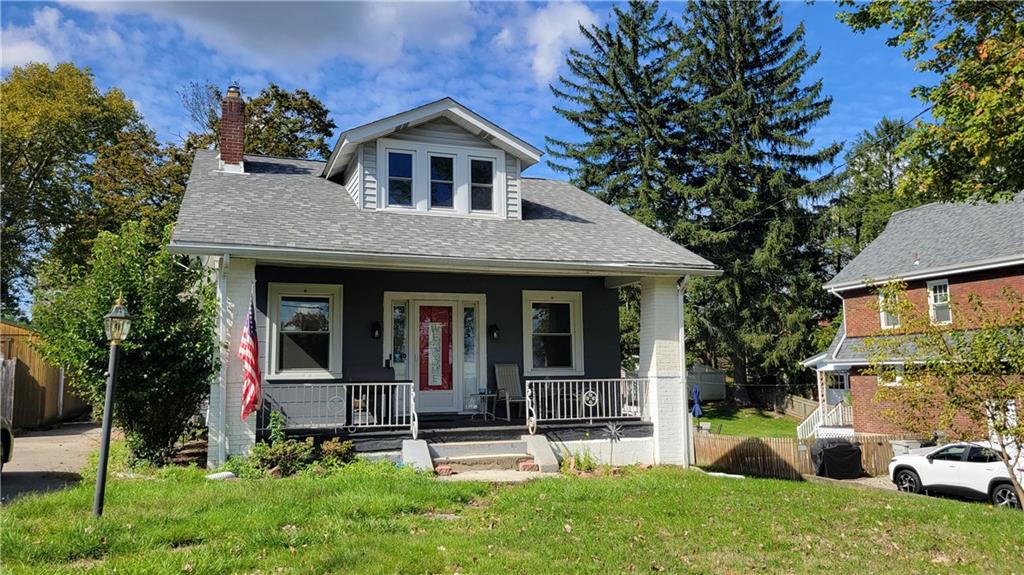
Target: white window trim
x=384 y=181
x=421 y=177
x=882 y=314
x=455 y=180
x=494 y=183
x=931 y=302
x=575 y=301
x=334 y=293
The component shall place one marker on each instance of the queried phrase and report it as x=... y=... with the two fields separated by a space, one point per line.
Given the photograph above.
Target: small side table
x=485 y=405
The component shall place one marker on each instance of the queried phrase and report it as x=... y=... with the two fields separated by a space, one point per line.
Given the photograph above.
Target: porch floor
x=453 y=427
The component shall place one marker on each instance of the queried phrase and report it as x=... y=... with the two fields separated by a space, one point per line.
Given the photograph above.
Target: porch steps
x=456 y=457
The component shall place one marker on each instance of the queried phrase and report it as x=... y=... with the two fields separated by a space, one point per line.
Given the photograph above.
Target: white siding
x=354 y=179
x=369 y=162
x=238 y=436
x=514 y=200
x=660 y=356
x=441 y=131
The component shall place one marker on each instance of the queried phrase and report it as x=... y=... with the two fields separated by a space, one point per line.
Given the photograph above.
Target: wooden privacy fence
x=781 y=458
x=38 y=394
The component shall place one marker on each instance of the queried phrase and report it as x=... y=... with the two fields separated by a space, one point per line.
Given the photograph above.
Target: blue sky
x=366 y=61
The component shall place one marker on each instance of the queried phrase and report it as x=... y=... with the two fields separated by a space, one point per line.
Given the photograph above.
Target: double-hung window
x=481 y=179
x=442 y=181
x=552 y=333
x=938 y=302
x=400 y=169
x=305 y=331
x=890 y=318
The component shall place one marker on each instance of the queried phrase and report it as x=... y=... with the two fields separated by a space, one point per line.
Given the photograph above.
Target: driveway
x=48 y=460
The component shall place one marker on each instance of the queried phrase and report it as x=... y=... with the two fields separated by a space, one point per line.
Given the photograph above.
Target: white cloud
x=551 y=31
x=286 y=36
x=35 y=42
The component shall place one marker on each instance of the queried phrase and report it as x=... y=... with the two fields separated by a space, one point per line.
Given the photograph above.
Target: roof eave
x=412 y=262
x=979 y=265
x=529 y=154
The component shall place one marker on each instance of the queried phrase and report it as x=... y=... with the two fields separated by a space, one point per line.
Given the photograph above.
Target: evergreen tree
x=749 y=208
x=619 y=94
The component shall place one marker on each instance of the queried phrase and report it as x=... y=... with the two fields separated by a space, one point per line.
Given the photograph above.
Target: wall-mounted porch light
x=492 y=331
x=375 y=330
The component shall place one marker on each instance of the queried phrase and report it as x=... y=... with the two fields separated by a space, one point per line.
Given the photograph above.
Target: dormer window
x=399 y=190
x=481 y=178
x=441 y=179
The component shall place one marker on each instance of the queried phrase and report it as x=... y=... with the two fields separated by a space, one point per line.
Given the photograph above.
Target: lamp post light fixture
x=116 y=325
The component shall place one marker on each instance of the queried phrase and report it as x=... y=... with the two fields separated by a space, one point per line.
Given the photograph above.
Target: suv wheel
x=1003 y=495
x=907 y=481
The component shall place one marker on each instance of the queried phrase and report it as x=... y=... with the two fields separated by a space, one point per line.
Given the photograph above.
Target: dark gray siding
x=364 y=300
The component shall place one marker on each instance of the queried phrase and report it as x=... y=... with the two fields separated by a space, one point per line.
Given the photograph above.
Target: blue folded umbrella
x=697 y=411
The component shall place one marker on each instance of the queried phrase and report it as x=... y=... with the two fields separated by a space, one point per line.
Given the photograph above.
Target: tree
x=748 y=204
x=960 y=377
x=167 y=363
x=867 y=193
x=619 y=94
x=133 y=178
x=54 y=120
x=278 y=122
x=972 y=150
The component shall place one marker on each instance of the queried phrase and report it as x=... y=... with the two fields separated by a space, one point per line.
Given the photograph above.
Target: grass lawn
x=748 y=421
x=374 y=518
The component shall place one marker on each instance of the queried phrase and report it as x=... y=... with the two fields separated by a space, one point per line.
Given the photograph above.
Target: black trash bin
x=836 y=459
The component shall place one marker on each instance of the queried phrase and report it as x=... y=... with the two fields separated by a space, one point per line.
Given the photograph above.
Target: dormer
x=439 y=159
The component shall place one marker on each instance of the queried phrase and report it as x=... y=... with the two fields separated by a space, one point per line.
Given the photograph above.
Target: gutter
x=981 y=265
x=437 y=263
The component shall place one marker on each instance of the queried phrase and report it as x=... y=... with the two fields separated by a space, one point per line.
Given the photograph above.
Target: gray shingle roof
x=283 y=204
x=942 y=237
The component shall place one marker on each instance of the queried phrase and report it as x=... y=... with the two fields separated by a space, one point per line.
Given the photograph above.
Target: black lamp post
x=116 y=324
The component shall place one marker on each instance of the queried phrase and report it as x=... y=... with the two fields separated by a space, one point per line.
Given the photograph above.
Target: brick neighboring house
x=944 y=253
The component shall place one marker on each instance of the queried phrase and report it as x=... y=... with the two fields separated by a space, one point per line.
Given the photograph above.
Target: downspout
x=687 y=423
x=222 y=341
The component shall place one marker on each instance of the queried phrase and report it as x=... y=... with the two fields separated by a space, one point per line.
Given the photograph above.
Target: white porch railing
x=556 y=400
x=839 y=415
x=342 y=405
x=809 y=425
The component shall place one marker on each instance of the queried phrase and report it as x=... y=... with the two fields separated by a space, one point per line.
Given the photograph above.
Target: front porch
x=834 y=416
x=378 y=416
x=381 y=356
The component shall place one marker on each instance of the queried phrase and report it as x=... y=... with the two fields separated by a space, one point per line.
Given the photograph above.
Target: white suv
x=972 y=470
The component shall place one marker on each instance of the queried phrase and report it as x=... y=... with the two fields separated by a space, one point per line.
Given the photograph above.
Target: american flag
x=249 y=353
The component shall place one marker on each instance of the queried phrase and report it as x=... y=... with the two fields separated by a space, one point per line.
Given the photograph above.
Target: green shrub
x=289 y=456
x=336 y=453
x=579 y=461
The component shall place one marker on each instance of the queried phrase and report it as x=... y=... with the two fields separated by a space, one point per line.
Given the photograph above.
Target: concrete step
x=470 y=448
x=482 y=462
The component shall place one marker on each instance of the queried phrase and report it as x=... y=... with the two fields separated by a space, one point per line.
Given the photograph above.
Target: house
x=943 y=253
x=395 y=280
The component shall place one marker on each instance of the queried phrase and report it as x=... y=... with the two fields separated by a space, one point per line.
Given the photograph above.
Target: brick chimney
x=232 y=131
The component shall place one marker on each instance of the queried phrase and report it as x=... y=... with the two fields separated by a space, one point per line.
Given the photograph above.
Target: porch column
x=661 y=360
x=822 y=391
x=228 y=434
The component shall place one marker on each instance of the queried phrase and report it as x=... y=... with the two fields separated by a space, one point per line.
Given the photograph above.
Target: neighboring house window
x=891 y=378
x=552 y=333
x=938 y=302
x=481 y=177
x=889 y=320
x=442 y=182
x=305 y=331
x=400 y=178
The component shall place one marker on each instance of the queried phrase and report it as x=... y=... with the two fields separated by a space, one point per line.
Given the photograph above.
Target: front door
x=434 y=373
